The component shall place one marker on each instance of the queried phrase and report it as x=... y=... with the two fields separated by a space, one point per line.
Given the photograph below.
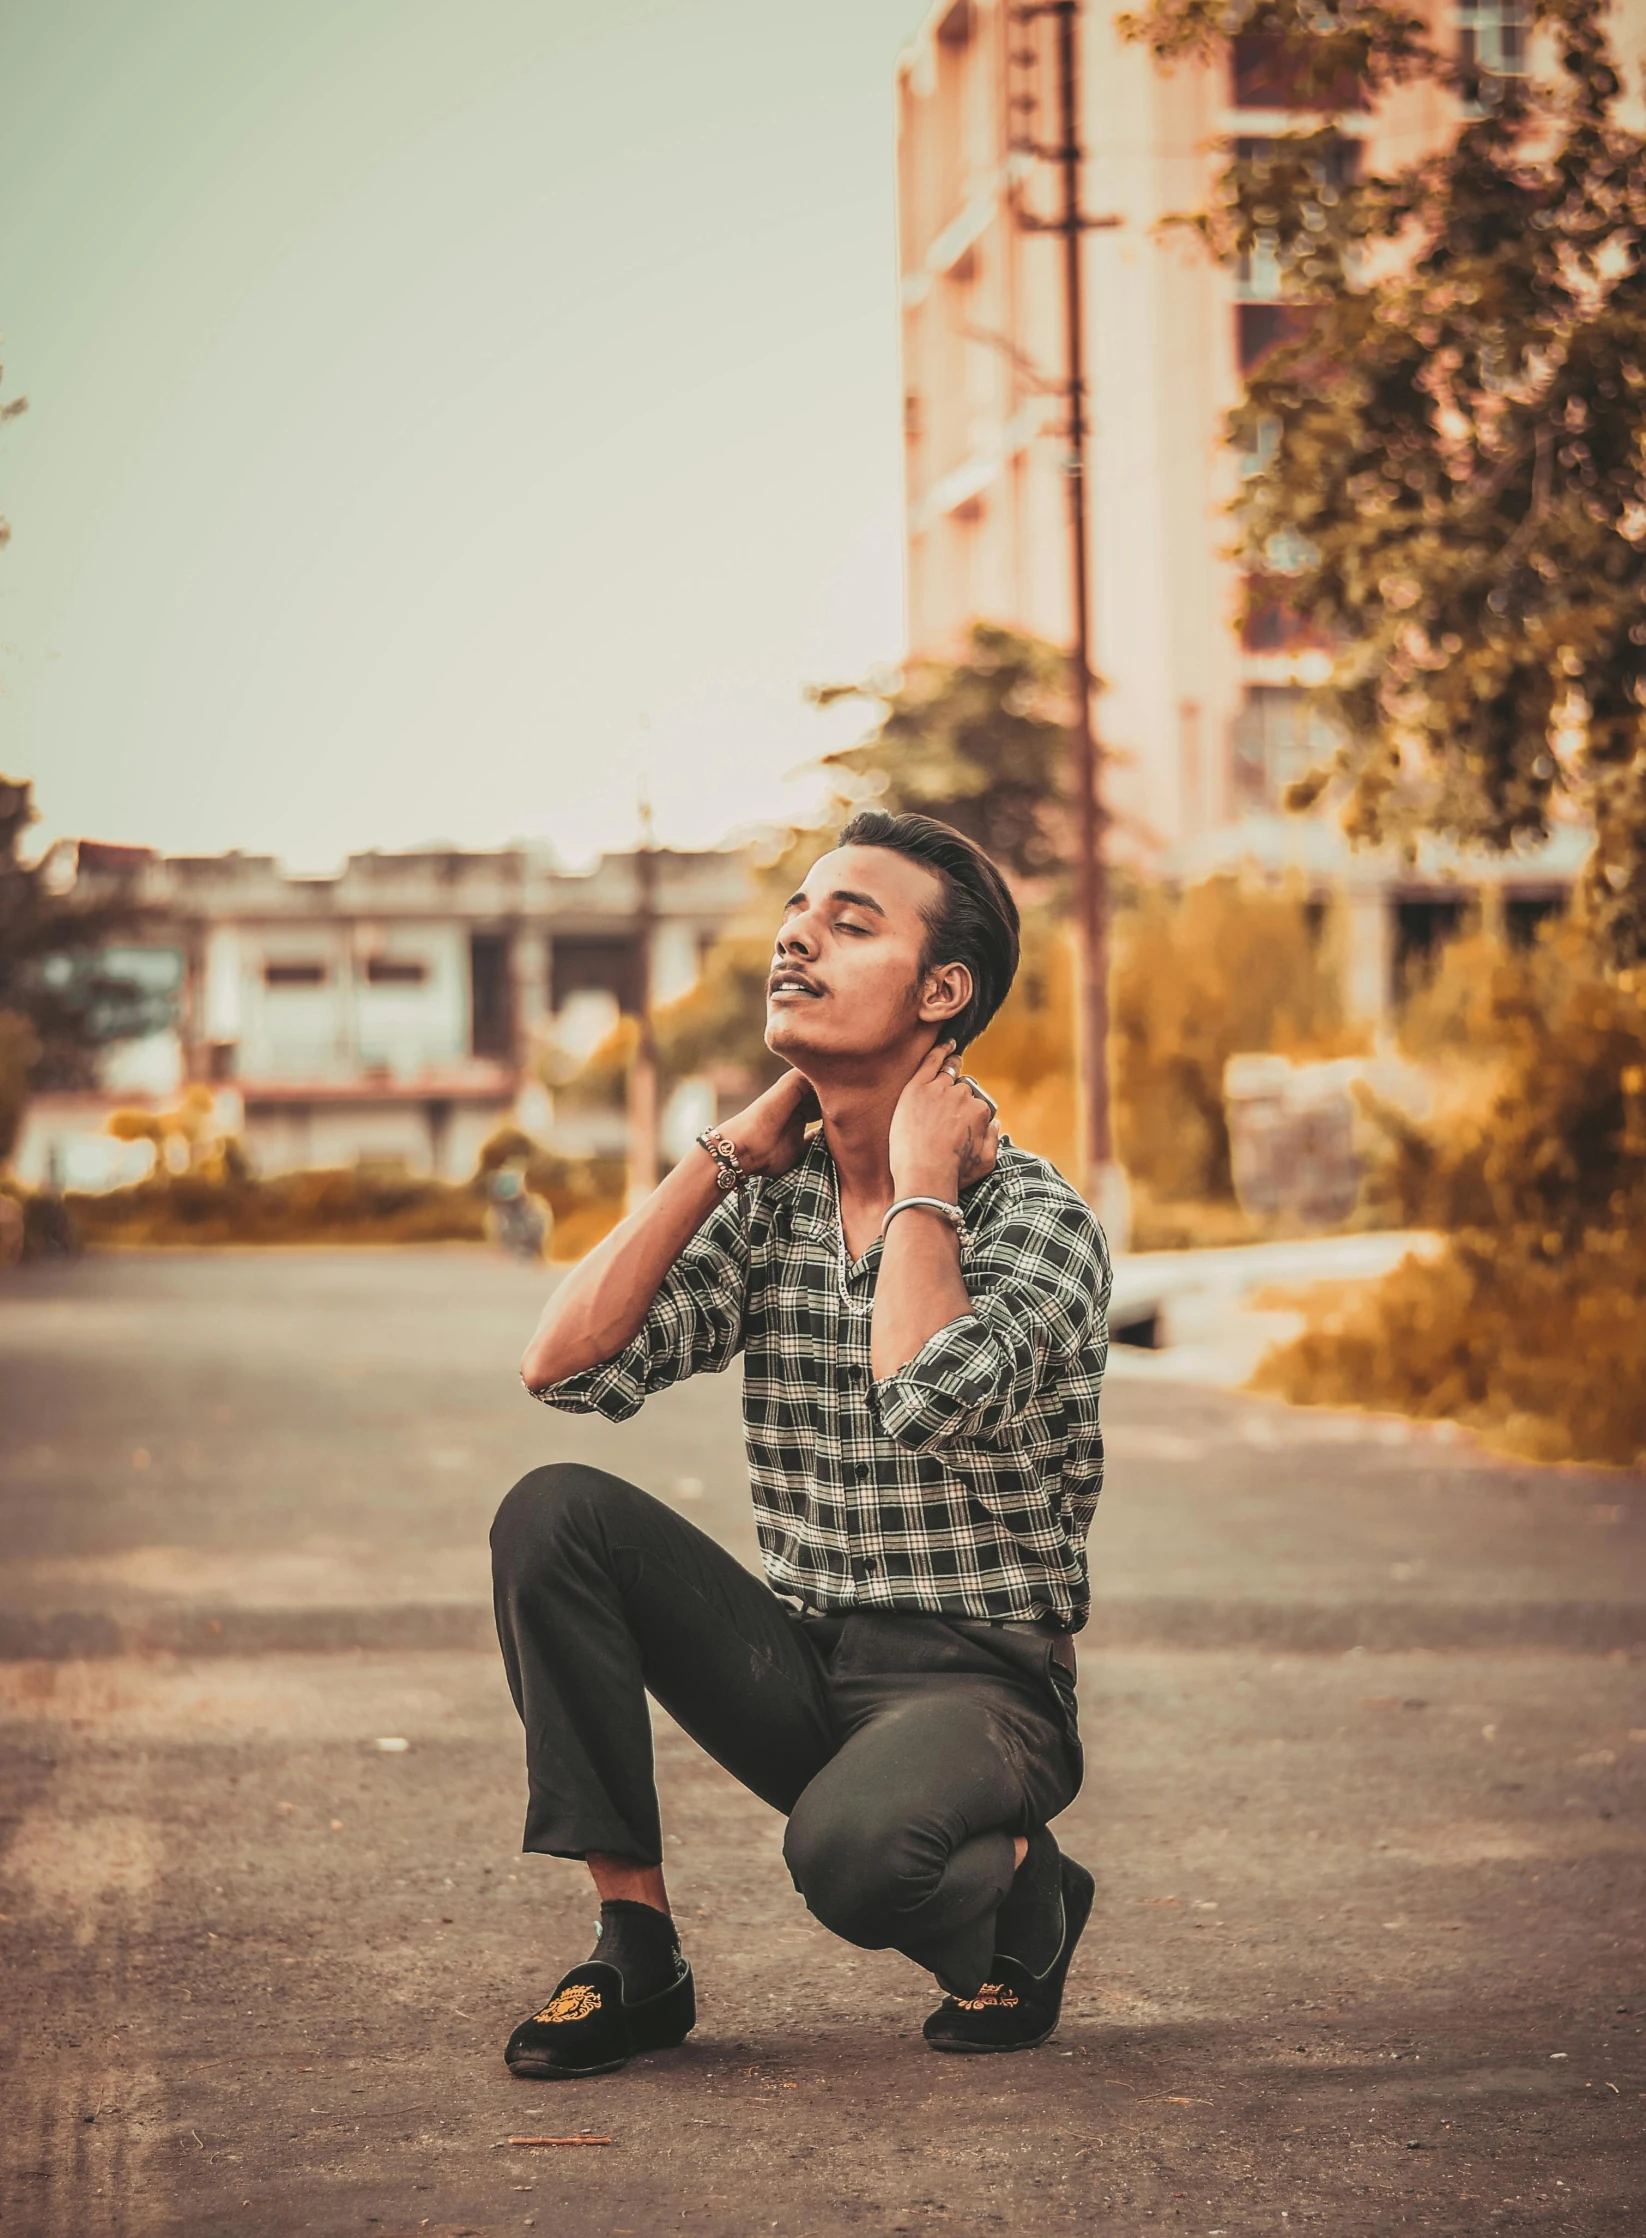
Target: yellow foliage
x=1532 y=1326
x=1219 y=970
x=1543 y=1357
x=131 y=1125
x=19 y=1051
x=1025 y=1060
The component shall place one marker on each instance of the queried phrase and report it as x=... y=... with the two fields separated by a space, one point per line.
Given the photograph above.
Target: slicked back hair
x=974 y=921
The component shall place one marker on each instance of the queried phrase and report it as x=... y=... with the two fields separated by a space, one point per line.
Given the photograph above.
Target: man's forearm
x=606 y=1297
x=918 y=1290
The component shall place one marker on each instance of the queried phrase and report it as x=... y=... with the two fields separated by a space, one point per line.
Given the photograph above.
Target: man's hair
x=975 y=920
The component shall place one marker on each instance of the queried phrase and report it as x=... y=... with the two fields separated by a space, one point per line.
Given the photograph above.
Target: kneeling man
x=921 y=1310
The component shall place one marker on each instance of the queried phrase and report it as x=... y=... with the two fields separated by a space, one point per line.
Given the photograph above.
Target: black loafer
x=588 y=2028
x=1015 y=2010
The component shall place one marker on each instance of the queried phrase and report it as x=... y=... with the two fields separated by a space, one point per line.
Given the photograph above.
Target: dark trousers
x=906 y=1750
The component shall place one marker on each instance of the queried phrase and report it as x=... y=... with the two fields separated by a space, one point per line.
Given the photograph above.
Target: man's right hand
x=770 y=1133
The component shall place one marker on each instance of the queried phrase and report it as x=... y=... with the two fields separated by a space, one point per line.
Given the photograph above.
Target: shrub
x=1532 y=1324
x=1201 y=976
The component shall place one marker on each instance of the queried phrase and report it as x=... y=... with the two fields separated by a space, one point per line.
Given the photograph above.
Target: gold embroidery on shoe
x=575 y=2003
x=992 y=1993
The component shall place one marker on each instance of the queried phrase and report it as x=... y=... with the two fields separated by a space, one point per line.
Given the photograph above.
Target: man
x=921 y=1308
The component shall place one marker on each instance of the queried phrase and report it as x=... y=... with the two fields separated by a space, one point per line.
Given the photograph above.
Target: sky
x=446 y=417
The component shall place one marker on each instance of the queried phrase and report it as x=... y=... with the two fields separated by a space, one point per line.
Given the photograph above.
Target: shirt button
x=866 y=1563
x=860 y=1470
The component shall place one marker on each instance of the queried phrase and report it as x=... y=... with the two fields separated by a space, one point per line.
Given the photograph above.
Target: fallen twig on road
x=549 y=2141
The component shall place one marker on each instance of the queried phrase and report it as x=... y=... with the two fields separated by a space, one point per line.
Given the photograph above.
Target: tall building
x=1205 y=720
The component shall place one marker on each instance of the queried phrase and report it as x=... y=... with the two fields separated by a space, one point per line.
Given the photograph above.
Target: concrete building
x=391 y=1013
x=1206 y=721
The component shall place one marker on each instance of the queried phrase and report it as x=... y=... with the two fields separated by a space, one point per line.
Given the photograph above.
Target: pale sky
x=441 y=412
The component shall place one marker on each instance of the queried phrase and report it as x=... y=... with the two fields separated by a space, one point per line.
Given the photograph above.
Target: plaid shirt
x=962 y=1485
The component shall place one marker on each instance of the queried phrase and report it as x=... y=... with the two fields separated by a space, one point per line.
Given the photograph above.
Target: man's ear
x=945 y=993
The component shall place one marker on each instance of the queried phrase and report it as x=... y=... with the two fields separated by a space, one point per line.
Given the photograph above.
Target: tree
x=1454 y=431
x=978 y=742
x=60 y=1001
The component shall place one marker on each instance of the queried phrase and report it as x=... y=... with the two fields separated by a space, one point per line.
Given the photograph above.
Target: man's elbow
x=545 y=1363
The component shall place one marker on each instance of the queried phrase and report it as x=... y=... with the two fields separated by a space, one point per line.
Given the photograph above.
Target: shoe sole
x=552 y=2071
x=980 y=2051
x=544 y=2071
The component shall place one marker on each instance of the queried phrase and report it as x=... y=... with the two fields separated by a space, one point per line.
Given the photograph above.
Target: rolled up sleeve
x=1038 y=1294
x=695 y=1326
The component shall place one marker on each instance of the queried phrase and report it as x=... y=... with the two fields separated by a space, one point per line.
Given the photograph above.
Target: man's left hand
x=944 y=1134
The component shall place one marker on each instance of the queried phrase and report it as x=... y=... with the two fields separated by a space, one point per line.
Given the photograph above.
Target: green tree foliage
x=1454 y=434
x=52 y=975
x=978 y=742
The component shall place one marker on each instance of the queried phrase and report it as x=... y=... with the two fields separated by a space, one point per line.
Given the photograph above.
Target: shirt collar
x=813 y=1199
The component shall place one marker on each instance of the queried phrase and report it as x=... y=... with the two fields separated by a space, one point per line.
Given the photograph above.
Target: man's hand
x=944 y=1132
x=770 y=1133
x=604 y=1300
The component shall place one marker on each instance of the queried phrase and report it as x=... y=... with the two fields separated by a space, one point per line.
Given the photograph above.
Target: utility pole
x=1101 y=1179
x=642 y=1084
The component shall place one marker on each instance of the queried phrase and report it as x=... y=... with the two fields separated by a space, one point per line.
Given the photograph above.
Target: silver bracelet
x=950 y=1212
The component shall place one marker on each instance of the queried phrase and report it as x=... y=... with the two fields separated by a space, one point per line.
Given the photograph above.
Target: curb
x=1335 y=1627
x=69 y=1634
x=1182 y=1622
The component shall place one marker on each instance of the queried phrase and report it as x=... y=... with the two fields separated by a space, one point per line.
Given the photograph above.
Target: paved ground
x=1366 y=1731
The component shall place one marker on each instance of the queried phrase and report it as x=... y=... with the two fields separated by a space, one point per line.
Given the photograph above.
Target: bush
x=321 y=1206
x=1545 y=1357
x=220 y=1203
x=1532 y=1324
x=1202 y=976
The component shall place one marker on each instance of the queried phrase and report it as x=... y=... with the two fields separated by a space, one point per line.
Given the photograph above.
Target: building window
x=1270 y=623
x=1422 y=928
x=396 y=971
x=597 y=963
x=1525 y=915
x=1269 y=70
x=1262 y=447
x=1333 y=166
x=295 y=974
x=1491 y=36
x=491 y=1025
x=1262 y=327
x=1277 y=736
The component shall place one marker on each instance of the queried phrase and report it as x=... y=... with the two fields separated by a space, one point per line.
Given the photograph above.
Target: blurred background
x=487 y=495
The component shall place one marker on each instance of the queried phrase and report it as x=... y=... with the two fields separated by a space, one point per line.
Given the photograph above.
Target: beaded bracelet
x=728 y=1170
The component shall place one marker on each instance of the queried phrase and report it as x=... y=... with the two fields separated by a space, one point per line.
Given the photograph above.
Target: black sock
x=641 y=1943
x=1029 y=1925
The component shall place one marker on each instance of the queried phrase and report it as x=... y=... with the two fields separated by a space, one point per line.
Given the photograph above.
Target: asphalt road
x=1366 y=1793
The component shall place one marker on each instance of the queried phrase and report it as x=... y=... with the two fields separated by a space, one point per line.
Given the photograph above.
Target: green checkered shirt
x=964 y=1484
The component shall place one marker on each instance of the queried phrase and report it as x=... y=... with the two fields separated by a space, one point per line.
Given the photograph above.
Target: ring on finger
x=982 y=1094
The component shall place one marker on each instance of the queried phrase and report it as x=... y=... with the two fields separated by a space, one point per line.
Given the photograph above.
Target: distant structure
x=1207 y=720
x=389 y=1014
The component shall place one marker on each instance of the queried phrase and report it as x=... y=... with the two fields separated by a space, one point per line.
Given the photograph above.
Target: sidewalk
x=1200 y=1315
x=1366 y=1799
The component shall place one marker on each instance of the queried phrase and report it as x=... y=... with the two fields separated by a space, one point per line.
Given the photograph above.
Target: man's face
x=846 y=979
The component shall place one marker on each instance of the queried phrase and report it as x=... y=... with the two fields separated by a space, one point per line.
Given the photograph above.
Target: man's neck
x=857 y=1125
